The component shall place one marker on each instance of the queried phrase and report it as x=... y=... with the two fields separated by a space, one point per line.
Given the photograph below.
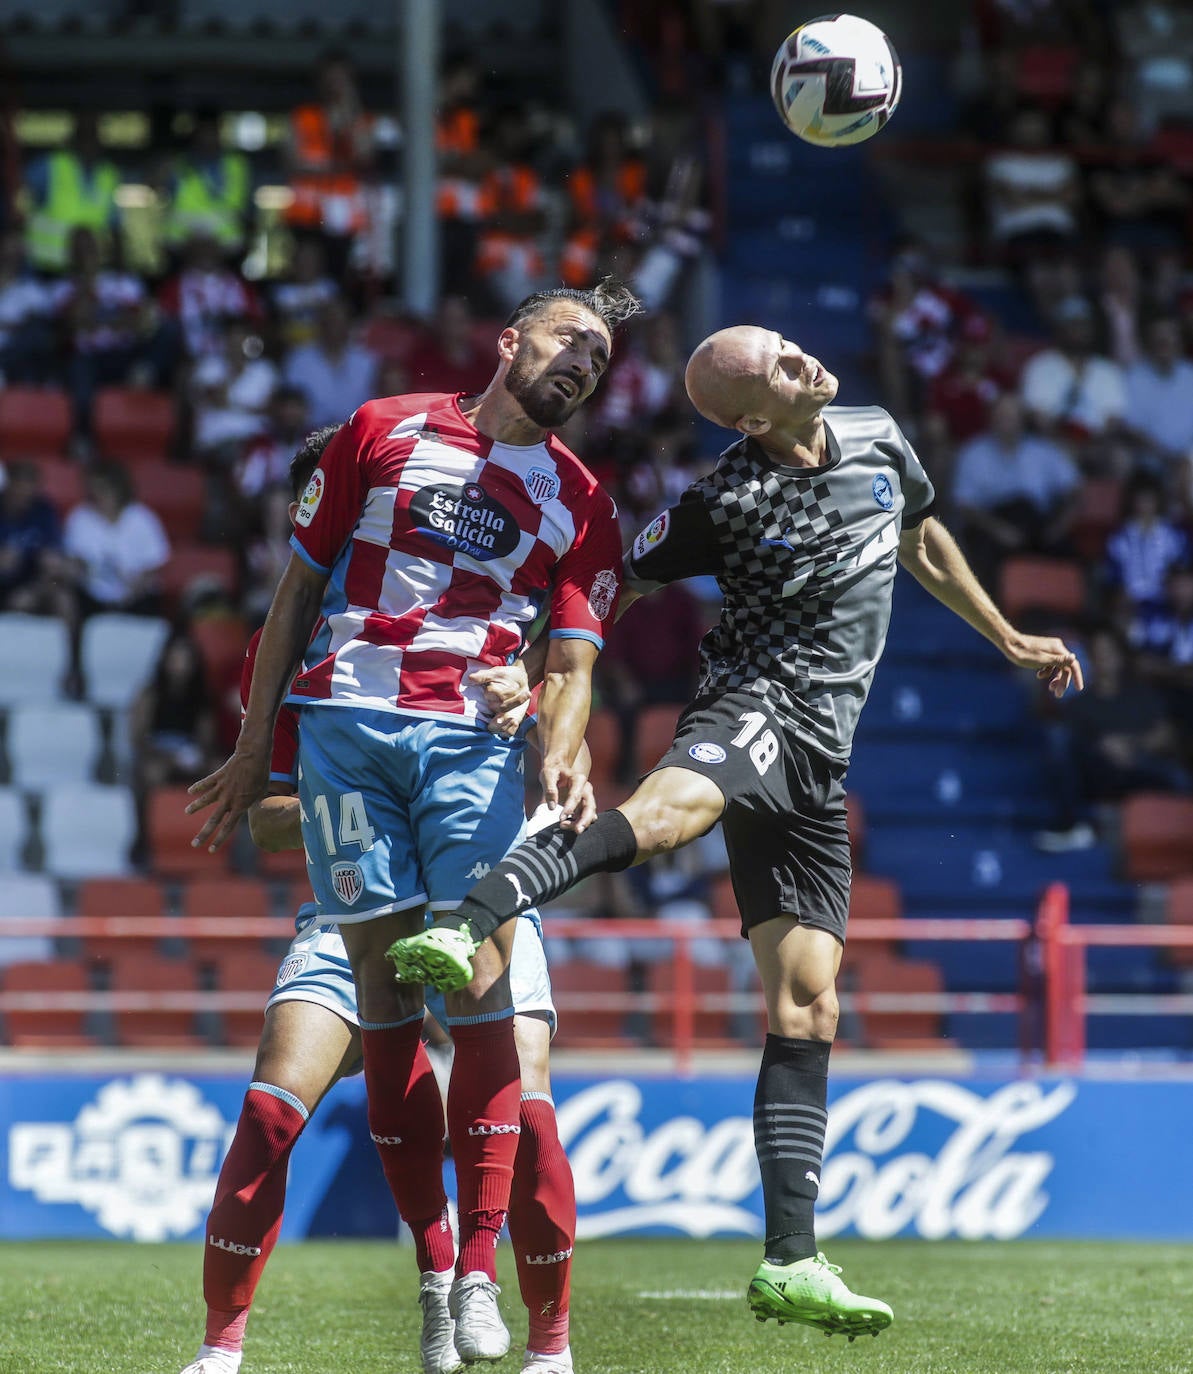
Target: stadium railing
x=1067 y=1000
x=684 y=1001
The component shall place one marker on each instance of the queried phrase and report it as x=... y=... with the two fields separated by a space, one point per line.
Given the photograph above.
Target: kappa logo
x=348 y=882
x=308 y=503
x=501 y=1128
x=603 y=594
x=542 y=485
x=232 y=1248
x=479 y=870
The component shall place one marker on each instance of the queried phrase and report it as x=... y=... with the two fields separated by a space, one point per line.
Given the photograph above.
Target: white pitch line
x=705 y=1294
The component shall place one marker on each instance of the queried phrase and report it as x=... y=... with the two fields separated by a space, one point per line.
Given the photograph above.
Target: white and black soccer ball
x=836 y=80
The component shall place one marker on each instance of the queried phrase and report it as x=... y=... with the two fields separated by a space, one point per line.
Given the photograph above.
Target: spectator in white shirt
x=1160 y=395
x=117 y=546
x=1032 y=192
x=231 y=391
x=335 y=374
x=1070 y=389
x=26 y=336
x=1014 y=491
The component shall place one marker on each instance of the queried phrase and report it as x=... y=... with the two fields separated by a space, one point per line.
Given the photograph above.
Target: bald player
x=802 y=522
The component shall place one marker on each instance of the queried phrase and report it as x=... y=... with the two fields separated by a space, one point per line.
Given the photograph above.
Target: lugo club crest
x=466 y=519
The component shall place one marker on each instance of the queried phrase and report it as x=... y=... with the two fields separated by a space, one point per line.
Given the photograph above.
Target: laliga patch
x=291 y=967
x=707 y=752
x=308 y=503
x=348 y=882
x=653 y=535
x=541 y=485
x=603 y=594
x=884 y=493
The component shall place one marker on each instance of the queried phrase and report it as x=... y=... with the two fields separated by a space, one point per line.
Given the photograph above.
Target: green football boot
x=810 y=1291
x=438 y=957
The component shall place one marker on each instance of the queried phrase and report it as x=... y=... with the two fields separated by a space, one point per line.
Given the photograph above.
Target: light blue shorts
x=398 y=811
x=316 y=969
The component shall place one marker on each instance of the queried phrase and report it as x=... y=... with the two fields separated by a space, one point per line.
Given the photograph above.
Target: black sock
x=790 y=1113
x=542 y=867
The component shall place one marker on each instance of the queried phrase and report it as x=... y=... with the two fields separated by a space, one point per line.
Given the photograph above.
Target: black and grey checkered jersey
x=806 y=559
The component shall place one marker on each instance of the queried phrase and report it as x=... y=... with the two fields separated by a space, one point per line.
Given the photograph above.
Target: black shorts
x=784 y=822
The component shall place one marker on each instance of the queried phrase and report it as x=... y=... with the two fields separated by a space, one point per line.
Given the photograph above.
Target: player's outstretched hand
x=564 y=786
x=1052 y=659
x=507 y=695
x=230 y=791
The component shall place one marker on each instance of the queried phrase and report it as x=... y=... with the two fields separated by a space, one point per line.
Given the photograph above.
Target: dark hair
x=115 y=476
x=306 y=460
x=610 y=301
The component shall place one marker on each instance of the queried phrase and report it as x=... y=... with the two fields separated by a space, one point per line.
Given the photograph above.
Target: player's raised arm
x=931 y=555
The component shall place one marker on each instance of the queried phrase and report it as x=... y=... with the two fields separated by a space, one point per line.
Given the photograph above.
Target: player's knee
x=807 y=1018
x=659 y=826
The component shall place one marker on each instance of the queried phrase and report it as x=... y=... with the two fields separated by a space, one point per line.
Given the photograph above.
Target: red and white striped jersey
x=441 y=546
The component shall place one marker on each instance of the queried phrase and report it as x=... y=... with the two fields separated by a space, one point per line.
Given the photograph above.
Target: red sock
x=244 y=1221
x=406 y=1123
x=482 y=1120
x=543 y=1226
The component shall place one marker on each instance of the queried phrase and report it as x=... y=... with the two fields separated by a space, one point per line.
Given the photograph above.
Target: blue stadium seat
x=908 y=700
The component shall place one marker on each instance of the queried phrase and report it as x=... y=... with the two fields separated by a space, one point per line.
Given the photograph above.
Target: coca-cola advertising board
x=136 y=1156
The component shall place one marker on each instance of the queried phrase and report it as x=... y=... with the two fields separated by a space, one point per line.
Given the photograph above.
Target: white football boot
x=437 y=1344
x=480 y=1332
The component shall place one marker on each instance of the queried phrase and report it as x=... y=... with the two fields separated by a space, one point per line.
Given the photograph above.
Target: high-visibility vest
x=329 y=199
x=217 y=204
x=74 y=200
x=511 y=188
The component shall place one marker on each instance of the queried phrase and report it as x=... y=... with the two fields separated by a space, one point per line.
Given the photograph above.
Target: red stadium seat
x=228 y=899
x=192 y=563
x=1099 y=511
x=1041 y=584
x=62 y=482
x=46 y=1028
x=1180 y=913
x=169 y=831
x=874 y=899
x=1157 y=837
x=654 y=730
x=248 y=971
x=604 y=743
x=222 y=641
x=133 y=425
x=176 y=494
x=163 y=1028
x=139 y=897
x=875 y=971
x=592 y=1027
x=710 y=1025
x=35 y=422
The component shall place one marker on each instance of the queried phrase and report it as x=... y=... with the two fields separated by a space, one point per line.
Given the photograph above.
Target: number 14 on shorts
x=354 y=827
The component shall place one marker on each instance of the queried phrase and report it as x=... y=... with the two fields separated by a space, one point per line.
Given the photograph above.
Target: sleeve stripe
x=306 y=557
x=578 y=634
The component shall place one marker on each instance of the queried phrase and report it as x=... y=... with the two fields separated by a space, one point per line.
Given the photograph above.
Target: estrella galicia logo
x=466 y=519
x=884 y=493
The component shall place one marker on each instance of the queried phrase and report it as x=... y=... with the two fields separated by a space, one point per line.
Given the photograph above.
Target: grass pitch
x=639 y=1307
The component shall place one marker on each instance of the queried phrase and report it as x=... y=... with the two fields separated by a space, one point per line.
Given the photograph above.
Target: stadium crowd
x=1054 y=414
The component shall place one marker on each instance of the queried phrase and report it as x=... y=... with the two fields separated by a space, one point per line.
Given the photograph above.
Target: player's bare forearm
x=275 y=822
x=244 y=778
x=563 y=715
x=931 y=555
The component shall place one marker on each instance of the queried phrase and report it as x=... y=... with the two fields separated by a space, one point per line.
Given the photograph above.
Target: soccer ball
x=836 y=80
